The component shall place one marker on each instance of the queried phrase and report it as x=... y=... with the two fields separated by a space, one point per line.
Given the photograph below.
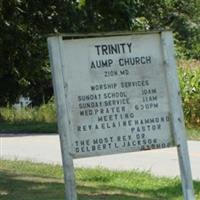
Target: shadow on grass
x=27 y=127
x=122 y=193
x=20 y=187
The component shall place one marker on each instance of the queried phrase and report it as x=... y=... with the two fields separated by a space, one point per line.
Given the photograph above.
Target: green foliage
x=44 y=113
x=24 y=67
x=189 y=76
x=40 y=119
x=25 y=24
x=181 y=16
x=103 y=15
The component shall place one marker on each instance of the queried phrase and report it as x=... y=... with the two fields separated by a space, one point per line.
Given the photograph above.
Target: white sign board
x=117 y=94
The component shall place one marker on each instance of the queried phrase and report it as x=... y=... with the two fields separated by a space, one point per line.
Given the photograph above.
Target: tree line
x=25 y=25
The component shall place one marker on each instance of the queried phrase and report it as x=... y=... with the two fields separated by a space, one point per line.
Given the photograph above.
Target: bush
x=189 y=77
x=44 y=113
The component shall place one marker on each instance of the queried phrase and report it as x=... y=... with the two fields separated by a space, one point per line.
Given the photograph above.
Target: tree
x=24 y=67
x=114 y=15
x=181 y=16
x=25 y=24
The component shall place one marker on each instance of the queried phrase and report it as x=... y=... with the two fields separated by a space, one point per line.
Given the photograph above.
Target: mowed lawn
x=22 y=180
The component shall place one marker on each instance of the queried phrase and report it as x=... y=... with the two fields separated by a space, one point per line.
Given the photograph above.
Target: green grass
x=45 y=113
x=20 y=180
x=193 y=133
x=29 y=120
x=28 y=127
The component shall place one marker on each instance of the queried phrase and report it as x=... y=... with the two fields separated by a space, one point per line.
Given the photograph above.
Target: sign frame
x=55 y=46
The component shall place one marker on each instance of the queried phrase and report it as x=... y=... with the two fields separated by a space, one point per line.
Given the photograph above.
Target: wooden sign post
x=117 y=93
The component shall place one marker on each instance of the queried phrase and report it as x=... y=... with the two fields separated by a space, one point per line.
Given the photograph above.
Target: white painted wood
x=73 y=78
x=177 y=115
x=80 y=74
x=54 y=45
x=101 y=34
